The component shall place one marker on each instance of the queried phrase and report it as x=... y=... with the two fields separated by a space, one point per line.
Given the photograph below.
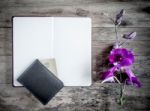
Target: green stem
x=116 y=36
x=122 y=93
x=117 y=80
x=122 y=88
x=111 y=19
x=124 y=42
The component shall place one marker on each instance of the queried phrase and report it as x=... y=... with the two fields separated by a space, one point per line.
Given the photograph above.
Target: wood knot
x=81 y=12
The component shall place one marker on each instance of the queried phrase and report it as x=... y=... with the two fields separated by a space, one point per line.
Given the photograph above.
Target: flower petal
x=108 y=73
x=132 y=79
x=121 y=56
x=136 y=82
x=129 y=73
x=109 y=79
x=125 y=62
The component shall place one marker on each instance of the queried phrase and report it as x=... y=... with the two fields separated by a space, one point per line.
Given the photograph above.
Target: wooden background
x=98 y=97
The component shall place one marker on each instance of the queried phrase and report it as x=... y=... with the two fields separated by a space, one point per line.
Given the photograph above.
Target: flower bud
x=119 y=17
x=130 y=35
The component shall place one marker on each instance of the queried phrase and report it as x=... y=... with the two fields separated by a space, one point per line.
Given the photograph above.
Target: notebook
x=66 y=39
x=50 y=64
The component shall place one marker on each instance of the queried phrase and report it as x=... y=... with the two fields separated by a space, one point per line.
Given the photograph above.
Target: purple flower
x=120 y=60
x=130 y=35
x=131 y=78
x=108 y=76
x=121 y=57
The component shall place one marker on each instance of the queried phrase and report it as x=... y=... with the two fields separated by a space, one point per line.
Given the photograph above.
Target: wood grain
x=140 y=68
x=97 y=97
x=108 y=33
x=101 y=39
x=137 y=12
x=102 y=97
x=59 y=2
x=138 y=47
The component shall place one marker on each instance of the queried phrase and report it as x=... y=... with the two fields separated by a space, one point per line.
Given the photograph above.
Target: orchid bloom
x=120 y=58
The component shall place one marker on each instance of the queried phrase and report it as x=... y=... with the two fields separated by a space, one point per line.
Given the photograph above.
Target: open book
x=66 y=39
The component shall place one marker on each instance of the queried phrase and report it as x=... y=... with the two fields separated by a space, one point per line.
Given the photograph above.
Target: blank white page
x=32 y=38
x=66 y=39
x=72 y=50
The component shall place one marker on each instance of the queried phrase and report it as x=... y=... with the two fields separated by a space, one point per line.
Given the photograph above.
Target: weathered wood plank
x=58 y=2
x=97 y=97
x=98 y=33
x=140 y=68
x=6 y=41
x=100 y=40
x=137 y=12
x=5 y=48
x=108 y=33
x=5 y=69
x=138 y=47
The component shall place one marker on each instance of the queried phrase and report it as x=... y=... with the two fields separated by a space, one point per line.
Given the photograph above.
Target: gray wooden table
x=98 y=97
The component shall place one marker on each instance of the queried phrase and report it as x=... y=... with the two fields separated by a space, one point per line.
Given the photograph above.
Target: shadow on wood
x=102 y=62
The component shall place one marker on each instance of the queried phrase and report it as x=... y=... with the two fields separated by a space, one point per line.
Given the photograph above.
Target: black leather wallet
x=41 y=82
